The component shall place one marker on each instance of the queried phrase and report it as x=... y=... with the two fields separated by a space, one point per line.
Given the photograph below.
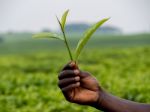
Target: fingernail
x=76 y=72
x=78 y=83
x=77 y=78
x=72 y=64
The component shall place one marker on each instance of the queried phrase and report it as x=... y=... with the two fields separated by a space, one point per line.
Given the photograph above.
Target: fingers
x=70 y=66
x=67 y=81
x=68 y=73
x=71 y=86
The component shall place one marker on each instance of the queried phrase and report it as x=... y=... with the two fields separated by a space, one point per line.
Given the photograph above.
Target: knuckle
x=60 y=74
x=64 y=72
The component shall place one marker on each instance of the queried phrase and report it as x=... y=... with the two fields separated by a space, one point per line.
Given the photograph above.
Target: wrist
x=99 y=101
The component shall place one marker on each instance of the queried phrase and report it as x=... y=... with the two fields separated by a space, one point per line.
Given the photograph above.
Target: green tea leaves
x=62 y=26
x=87 y=36
x=81 y=43
x=63 y=19
x=48 y=35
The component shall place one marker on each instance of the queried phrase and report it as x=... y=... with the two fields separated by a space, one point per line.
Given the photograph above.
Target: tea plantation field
x=28 y=82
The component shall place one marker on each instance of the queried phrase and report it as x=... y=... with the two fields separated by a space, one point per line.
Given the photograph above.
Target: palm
x=87 y=92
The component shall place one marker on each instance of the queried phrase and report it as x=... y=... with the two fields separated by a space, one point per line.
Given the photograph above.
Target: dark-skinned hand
x=82 y=88
x=78 y=86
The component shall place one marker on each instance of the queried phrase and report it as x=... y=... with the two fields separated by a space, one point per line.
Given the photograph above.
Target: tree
x=46 y=30
x=81 y=27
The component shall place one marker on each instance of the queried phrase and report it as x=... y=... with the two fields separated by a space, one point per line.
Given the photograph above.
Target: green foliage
x=48 y=35
x=1 y=39
x=87 y=36
x=82 y=42
x=63 y=32
x=63 y=19
x=28 y=82
x=23 y=43
x=51 y=35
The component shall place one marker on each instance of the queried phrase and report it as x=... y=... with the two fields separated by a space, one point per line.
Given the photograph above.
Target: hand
x=78 y=86
x=81 y=88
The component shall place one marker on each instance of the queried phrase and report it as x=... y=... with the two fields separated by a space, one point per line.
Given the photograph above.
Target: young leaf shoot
x=63 y=19
x=62 y=27
x=87 y=35
x=48 y=35
x=56 y=36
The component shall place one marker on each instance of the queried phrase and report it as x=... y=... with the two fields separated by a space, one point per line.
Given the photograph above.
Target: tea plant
x=30 y=83
x=82 y=42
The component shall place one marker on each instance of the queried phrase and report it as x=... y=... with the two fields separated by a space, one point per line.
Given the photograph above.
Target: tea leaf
x=60 y=25
x=87 y=36
x=63 y=19
x=48 y=35
x=65 y=39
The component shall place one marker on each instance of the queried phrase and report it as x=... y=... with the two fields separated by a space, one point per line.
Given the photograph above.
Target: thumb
x=74 y=65
x=71 y=66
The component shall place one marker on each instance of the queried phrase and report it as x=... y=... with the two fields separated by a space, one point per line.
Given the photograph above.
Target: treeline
x=1 y=39
x=81 y=27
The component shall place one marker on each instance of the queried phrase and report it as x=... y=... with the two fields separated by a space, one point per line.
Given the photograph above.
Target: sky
x=132 y=16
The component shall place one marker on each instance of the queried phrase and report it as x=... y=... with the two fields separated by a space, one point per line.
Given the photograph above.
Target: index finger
x=68 y=73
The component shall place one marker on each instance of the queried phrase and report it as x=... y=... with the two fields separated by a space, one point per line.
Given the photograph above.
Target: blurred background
x=117 y=54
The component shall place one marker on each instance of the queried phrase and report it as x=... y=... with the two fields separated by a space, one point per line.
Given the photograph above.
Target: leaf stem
x=66 y=42
x=65 y=39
